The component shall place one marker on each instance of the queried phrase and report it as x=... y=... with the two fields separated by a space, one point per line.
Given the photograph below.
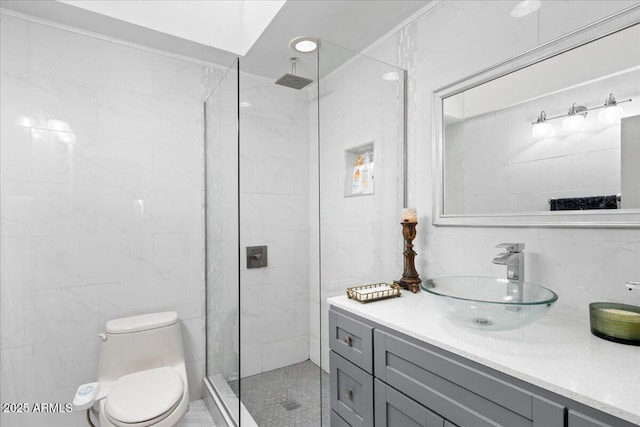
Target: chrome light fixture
x=541 y=127
x=611 y=112
x=575 y=118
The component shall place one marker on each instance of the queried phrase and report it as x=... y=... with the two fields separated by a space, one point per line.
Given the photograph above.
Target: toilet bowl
x=142 y=379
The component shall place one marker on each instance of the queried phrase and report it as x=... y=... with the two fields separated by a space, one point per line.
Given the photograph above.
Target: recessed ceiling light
x=525 y=8
x=304 y=44
x=391 y=76
x=245 y=104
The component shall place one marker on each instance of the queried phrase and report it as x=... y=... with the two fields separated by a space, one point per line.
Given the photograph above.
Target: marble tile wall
x=101 y=205
x=361 y=234
x=274 y=211
x=453 y=39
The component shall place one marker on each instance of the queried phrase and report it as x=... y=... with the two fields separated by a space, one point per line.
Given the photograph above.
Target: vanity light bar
x=580 y=110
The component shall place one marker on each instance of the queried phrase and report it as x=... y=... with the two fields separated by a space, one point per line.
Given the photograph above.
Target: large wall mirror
x=549 y=138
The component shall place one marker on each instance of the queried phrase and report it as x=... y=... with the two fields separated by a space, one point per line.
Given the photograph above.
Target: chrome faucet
x=513 y=258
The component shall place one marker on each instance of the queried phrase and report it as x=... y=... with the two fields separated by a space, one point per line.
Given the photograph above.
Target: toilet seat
x=144 y=398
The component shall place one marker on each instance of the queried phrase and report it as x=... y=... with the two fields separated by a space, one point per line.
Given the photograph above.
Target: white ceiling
x=354 y=24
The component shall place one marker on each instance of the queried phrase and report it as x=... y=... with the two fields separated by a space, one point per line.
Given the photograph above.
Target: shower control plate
x=256 y=256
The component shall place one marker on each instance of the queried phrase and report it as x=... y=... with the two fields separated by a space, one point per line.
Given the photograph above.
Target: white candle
x=410 y=215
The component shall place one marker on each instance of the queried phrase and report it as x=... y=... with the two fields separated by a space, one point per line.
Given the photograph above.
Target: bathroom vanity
x=399 y=363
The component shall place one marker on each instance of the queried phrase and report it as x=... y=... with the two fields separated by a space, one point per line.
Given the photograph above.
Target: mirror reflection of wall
x=493 y=163
x=630 y=155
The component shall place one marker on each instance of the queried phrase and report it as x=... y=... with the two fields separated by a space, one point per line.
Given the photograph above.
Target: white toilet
x=142 y=380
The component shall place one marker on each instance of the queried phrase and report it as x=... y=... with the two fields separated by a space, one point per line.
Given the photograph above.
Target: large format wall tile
x=101 y=205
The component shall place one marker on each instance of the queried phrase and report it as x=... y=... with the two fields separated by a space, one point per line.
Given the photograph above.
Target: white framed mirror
x=548 y=138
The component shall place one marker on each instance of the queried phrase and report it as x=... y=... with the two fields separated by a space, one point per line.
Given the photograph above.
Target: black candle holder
x=410 y=279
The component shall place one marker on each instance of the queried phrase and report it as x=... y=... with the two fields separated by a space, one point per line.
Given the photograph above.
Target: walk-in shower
x=279 y=168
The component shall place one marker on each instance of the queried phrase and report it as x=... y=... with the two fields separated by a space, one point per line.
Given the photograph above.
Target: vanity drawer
x=576 y=419
x=351 y=339
x=337 y=421
x=393 y=408
x=460 y=393
x=351 y=392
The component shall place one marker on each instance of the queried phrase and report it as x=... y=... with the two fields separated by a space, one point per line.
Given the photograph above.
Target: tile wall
x=101 y=210
x=361 y=234
x=581 y=265
x=274 y=211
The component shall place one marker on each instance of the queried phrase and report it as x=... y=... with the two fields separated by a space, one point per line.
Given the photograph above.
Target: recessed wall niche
x=359 y=171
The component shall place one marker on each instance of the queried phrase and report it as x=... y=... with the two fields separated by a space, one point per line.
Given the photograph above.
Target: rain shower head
x=291 y=80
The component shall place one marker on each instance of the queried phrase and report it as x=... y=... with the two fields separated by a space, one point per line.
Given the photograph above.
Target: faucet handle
x=511 y=247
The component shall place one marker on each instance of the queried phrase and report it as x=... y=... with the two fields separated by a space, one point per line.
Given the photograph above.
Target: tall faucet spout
x=502 y=259
x=513 y=259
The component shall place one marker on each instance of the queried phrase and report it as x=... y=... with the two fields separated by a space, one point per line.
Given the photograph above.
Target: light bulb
x=573 y=123
x=610 y=114
x=575 y=118
x=541 y=130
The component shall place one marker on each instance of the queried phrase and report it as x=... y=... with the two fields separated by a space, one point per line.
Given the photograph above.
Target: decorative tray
x=373 y=292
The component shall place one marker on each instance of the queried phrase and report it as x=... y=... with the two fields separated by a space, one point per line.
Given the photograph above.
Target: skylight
x=233 y=26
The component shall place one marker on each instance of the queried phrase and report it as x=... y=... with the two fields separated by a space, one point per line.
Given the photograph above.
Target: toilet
x=142 y=380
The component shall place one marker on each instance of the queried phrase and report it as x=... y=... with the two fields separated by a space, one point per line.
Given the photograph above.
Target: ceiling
x=353 y=24
x=233 y=26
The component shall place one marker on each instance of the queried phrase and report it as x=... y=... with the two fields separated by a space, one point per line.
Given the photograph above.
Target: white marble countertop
x=556 y=353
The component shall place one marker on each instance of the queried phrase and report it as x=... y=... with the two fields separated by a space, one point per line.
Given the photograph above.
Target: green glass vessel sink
x=615 y=322
x=488 y=302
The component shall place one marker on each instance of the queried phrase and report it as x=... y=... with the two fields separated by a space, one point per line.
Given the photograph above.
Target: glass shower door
x=222 y=239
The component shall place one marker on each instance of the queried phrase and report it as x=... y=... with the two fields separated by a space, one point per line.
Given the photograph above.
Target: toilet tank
x=140 y=342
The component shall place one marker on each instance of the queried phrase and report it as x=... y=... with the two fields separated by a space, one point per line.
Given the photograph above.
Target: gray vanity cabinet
x=351 y=366
x=462 y=394
x=351 y=392
x=394 y=409
x=382 y=378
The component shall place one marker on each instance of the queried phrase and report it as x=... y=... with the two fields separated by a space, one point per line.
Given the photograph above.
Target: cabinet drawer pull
x=347 y=339
x=349 y=393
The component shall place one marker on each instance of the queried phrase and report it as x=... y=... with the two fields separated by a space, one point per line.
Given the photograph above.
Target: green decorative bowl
x=615 y=322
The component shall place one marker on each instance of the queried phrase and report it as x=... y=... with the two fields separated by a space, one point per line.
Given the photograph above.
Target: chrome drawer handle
x=349 y=393
x=347 y=339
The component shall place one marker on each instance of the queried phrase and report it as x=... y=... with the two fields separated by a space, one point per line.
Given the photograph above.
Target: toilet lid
x=144 y=395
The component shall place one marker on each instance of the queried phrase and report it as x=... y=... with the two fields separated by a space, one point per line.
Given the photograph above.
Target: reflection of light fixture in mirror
x=575 y=118
x=391 y=76
x=541 y=128
x=612 y=111
x=58 y=125
x=62 y=131
x=304 y=44
x=245 y=104
x=525 y=8
x=26 y=121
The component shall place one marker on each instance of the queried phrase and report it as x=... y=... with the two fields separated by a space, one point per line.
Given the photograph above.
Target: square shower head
x=293 y=81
